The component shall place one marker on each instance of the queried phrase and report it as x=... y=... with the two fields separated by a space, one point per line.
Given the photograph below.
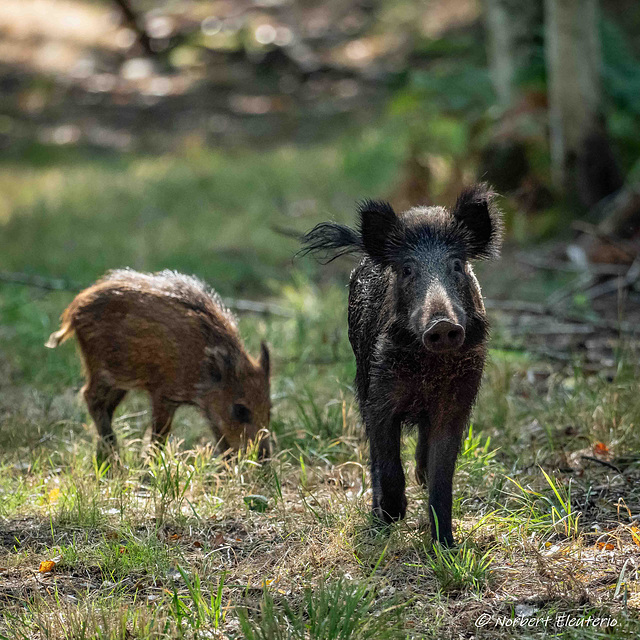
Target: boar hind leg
x=387 y=475
x=162 y=416
x=102 y=400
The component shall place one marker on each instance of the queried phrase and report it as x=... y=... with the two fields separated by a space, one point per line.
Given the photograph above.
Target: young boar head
x=428 y=250
x=236 y=397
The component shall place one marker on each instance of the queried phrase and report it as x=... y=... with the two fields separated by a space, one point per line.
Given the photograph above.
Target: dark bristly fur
x=418 y=329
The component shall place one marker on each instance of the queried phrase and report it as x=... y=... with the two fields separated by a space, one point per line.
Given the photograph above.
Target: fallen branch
x=39 y=282
x=550 y=329
x=535 y=309
x=630 y=278
x=550 y=264
x=57 y=284
x=604 y=463
x=252 y=306
x=133 y=20
x=516 y=306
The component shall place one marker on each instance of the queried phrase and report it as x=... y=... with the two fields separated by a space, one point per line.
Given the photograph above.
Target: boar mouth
x=443 y=335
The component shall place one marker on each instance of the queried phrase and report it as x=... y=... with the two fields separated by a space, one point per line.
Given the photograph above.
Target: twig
x=569 y=267
x=582 y=282
x=55 y=284
x=287 y=232
x=517 y=306
x=630 y=278
x=532 y=308
x=251 y=306
x=39 y=282
x=599 y=234
x=604 y=463
x=135 y=23
x=550 y=329
x=560 y=356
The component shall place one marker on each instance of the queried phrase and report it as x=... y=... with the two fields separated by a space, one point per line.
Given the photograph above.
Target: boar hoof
x=389 y=511
x=107 y=452
x=444 y=540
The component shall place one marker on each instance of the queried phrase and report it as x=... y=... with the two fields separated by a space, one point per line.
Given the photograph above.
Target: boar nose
x=264 y=449
x=443 y=335
x=264 y=444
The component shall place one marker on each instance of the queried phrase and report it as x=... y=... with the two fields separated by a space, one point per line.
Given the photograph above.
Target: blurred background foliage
x=205 y=136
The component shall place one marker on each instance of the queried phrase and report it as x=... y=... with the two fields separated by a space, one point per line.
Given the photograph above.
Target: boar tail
x=331 y=240
x=65 y=331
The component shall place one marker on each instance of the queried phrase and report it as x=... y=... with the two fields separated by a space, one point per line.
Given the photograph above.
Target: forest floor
x=547 y=495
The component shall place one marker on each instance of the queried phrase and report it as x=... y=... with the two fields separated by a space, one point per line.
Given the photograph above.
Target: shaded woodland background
x=539 y=99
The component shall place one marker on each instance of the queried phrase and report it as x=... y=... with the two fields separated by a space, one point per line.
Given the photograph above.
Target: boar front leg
x=162 y=411
x=387 y=475
x=444 y=442
x=102 y=401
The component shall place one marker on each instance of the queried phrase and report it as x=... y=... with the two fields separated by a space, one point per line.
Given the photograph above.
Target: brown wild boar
x=168 y=334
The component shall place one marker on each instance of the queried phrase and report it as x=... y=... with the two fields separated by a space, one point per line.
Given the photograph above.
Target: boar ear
x=219 y=363
x=379 y=229
x=265 y=358
x=481 y=219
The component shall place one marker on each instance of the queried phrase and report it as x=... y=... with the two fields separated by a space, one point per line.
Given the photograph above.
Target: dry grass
x=142 y=551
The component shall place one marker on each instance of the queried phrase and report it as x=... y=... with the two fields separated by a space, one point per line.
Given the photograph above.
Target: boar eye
x=457 y=265
x=407 y=270
x=241 y=413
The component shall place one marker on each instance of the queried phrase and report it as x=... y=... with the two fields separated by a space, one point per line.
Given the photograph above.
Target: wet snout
x=264 y=445
x=443 y=335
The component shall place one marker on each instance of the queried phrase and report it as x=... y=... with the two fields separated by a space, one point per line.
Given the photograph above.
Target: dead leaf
x=600 y=449
x=606 y=546
x=218 y=540
x=197 y=544
x=111 y=535
x=46 y=566
x=175 y=536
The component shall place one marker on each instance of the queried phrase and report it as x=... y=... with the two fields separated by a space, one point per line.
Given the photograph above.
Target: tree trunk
x=512 y=28
x=573 y=69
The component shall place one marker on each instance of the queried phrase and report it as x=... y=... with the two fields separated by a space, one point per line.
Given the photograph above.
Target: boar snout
x=264 y=448
x=443 y=335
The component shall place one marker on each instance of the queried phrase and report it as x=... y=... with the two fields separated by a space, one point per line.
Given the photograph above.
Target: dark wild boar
x=418 y=329
x=170 y=335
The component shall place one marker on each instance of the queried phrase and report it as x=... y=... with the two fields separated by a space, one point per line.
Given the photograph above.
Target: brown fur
x=169 y=335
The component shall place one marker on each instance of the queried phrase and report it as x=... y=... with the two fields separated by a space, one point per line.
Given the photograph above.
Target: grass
x=182 y=543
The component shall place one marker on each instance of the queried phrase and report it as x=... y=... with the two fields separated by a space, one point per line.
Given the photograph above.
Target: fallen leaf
x=46 y=566
x=635 y=534
x=175 y=536
x=218 y=540
x=600 y=449
x=197 y=544
x=607 y=546
x=111 y=535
